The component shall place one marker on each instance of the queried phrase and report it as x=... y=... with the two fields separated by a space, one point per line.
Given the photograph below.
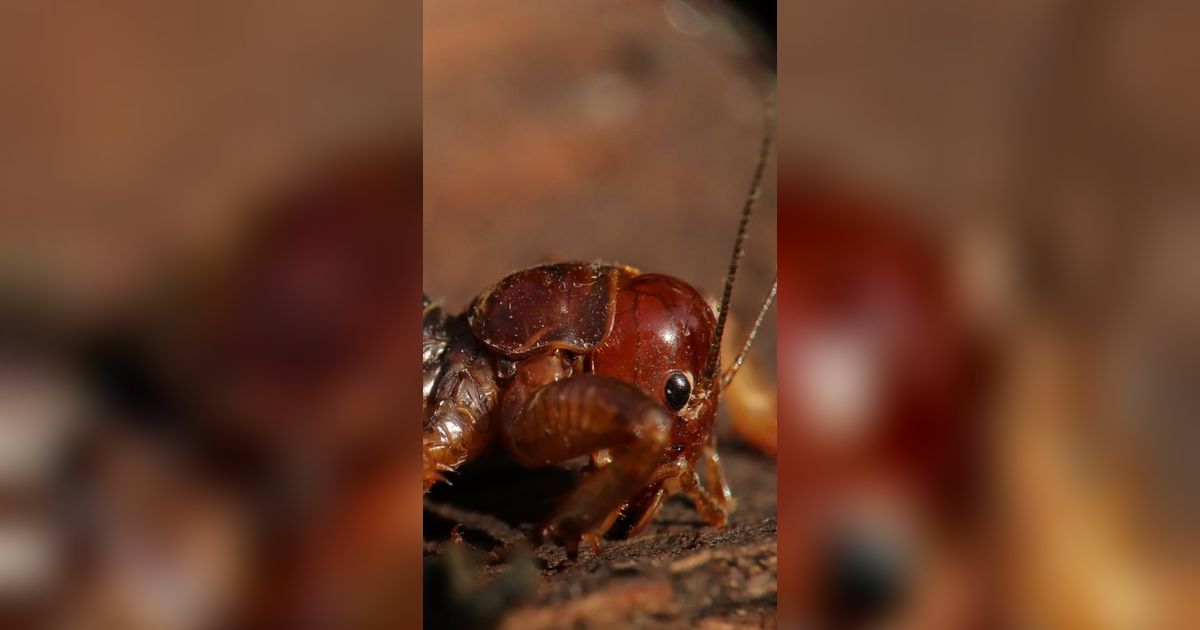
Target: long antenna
x=739 y=244
x=732 y=371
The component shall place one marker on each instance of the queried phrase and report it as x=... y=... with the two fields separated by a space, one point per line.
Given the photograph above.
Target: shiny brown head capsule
x=660 y=341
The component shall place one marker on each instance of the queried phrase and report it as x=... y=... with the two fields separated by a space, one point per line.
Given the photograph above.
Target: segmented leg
x=579 y=416
x=713 y=499
x=710 y=508
x=638 y=512
x=714 y=476
x=465 y=393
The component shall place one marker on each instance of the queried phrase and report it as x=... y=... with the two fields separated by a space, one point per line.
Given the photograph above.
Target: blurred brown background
x=1054 y=146
x=145 y=144
x=138 y=132
x=625 y=132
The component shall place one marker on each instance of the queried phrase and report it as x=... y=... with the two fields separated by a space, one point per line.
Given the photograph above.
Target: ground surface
x=678 y=573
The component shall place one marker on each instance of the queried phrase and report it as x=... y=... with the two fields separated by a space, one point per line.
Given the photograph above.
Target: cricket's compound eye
x=677 y=390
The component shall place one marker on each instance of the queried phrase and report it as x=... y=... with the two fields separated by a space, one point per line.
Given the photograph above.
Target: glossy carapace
x=651 y=330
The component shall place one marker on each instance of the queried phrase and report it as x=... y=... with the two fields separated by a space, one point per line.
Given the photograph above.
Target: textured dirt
x=678 y=573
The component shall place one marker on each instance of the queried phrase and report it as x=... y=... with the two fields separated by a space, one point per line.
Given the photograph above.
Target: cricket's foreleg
x=714 y=477
x=579 y=416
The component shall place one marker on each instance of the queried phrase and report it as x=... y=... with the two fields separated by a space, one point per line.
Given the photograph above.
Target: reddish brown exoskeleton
x=564 y=360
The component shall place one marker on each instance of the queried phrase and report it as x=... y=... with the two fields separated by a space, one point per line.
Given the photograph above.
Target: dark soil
x=678 y=573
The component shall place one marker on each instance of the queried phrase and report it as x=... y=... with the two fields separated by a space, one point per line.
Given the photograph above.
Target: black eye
x=677 y=391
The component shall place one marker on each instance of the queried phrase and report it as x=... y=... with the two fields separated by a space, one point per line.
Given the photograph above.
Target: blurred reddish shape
x=880 y=381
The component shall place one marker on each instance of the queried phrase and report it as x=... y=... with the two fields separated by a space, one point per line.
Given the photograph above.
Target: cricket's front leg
x=714 y=478
x=579 y=416
x=713 y=500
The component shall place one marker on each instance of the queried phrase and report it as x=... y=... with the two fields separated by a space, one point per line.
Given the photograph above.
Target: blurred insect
x=254 y=385
x=887 y=372
x=564 y=360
